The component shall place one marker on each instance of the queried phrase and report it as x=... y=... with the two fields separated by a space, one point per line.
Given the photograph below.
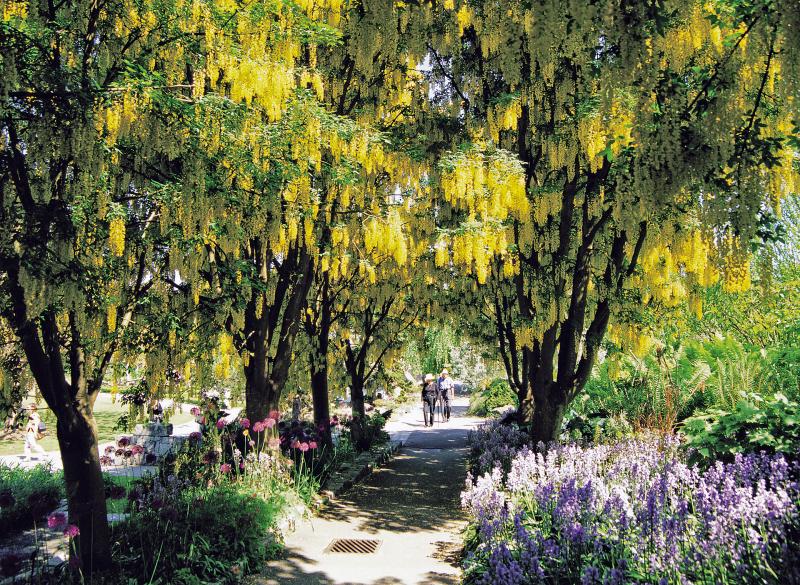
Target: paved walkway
x=411 y=506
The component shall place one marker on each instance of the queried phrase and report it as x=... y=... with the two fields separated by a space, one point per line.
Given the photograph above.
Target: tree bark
x=269 y=336
x=357 y=396
x=321 y=402
x=260 y=397
x=318 y=326
x=549 y=405
x=77 y=439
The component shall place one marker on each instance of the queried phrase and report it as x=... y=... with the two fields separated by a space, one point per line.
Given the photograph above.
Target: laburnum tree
x=287 y=232
x=103 y=151
x=377 y=321
x=371 y=79
x=650 y=140
x=345 y=269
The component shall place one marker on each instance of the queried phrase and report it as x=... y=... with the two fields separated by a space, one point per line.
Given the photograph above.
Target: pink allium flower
x=221 y=424
x=109 y=449
x=106 y=460
x=56 y=520
x=225 y=468
x=312 y=444
x=275 y=415
x=274 y=443
x=259 y=427
x=137 y=449
x=269 y=422
x=295 y=444
x=71 y=531
x=195 y=411
x=304 y=447
x=245 y=422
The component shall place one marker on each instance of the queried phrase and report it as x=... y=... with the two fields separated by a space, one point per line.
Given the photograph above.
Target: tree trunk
x=77 y=439
x=525 y=411
x=257 y=391
x=319 y=396
x=549 y=406
x=357 y=396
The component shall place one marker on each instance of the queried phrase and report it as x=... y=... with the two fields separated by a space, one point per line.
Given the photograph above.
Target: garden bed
x=629 y=511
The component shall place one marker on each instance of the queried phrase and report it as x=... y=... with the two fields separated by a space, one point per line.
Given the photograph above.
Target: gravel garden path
x=410 y=506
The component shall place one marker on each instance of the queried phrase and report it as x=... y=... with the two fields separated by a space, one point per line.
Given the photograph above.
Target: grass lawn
x=106 y=413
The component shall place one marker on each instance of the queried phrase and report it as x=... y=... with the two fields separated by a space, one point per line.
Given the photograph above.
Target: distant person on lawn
x=32 y=434
x=446 y=391
x=429 y=391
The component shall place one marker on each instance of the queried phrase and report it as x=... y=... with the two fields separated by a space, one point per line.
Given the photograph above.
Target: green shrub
x=27 y=496
x=494 y=395
x=754 y=424
x=195 y=536
x=596 y=426
x=368 y=432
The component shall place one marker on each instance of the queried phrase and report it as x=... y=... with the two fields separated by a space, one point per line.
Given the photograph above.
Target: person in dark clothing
x=429 y=392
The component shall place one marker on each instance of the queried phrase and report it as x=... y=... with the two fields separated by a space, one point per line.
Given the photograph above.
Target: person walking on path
x=32 y=433
x=446 y=388
x=429 y=391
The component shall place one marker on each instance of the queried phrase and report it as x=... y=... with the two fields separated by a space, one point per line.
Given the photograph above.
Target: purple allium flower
x=195 y=411
x=56 y=520
x=195 y=437
x=245 y=422
x=123 y=441
x=221 y=423
x=71 y=531
x=225 y=468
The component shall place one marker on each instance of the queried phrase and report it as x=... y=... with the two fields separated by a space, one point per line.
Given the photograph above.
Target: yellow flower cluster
x=386 y=238
x=630 y=337
x=489 y=189
x=116 y=236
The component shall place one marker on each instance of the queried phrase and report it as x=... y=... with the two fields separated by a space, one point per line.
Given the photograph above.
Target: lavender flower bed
x=630 y=512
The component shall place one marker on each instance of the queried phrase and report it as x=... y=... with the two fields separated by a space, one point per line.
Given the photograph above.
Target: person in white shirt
x=32 y=433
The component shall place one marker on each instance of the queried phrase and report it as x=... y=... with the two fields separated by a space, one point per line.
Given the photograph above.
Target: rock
x=156 y=438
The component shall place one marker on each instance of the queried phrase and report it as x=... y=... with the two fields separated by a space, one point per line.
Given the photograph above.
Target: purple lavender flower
x=604 y=512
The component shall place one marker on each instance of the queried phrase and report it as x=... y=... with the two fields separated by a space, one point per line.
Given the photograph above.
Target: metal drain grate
x=353 y=546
